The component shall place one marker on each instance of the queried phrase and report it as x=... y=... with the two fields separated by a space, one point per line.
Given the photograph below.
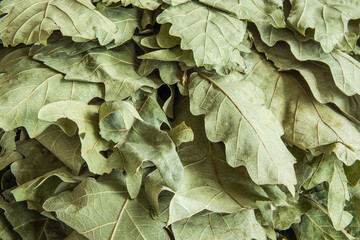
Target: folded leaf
x=86 y=117
x=155 y=144
x=209 y=182
x=330 y=169
x=317 y=75
x=116 y=117
x=181 y=134
x=66 y=149
x=43 y=187
x=343 y=67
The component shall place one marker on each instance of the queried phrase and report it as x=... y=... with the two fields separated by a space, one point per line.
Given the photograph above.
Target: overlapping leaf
x=86 y=118
x=209 y=182
x=144 y=133
x=28 y=85
x=241 y=225
x=343 y=67
x=213 y=46
x=179 y=119
x=233 y=109
x=328 y=18
x=257 y=11
x=33 y=21
x=116 y=68
x=307 y=123
x=86 y=210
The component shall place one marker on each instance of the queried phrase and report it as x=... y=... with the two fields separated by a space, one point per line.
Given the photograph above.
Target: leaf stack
x=179 y=119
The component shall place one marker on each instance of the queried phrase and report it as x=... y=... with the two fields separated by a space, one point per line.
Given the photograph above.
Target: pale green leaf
x=155 y=144
x=8 y=152
x=330 y=169
x=66 y=149
x=36 y=162
x=198 y=26
x=317 y=75
x=116 y=117
x=43 y=187
x=235 y=114
x=175 y=2
x=209 y=182
x=33 y=21
x=145 y=4
x=328 y=18
x=126 y=20
x=181 y=134
x=86 y=117
x=57 y=43
x=315 y=225
x=116 y=68
x=86 y=210
x=28 y=85
x=75 y=236
x=31 y=225
x=241 y=225
x=343 y=67
x=150 y=42
x=164 y=39
x=307 y=123
x=257 y=11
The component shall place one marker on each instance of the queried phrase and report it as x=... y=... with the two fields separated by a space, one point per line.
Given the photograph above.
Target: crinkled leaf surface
x=307 y=123
x=241 y=225
x=8 y=149
x=209 y=182
x=28 y=85
x=256 y=11
x=232 y=111
x=30 y=224
x=116 y=68
x=146 y=4
x=329 y=168
x=328 y=18
x=155 y=144
x=343 y=67
x=33 y=21
x=66 y=149
x=86 y=117
x=179 y=119
x=213 y=47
